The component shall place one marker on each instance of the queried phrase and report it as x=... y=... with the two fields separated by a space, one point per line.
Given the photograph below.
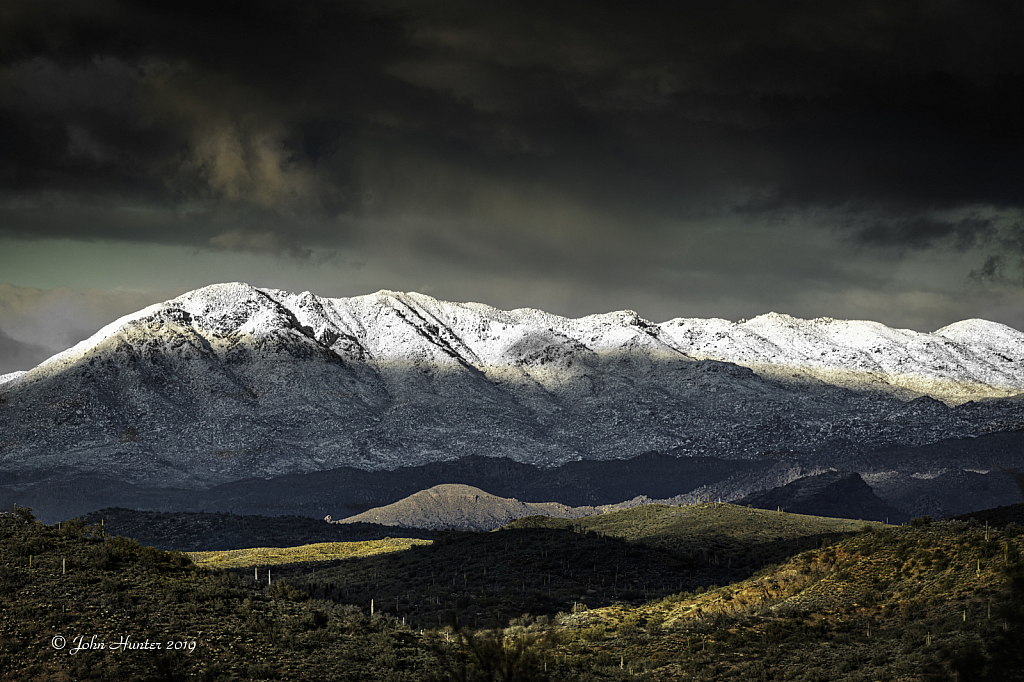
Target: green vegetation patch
x=318 y=552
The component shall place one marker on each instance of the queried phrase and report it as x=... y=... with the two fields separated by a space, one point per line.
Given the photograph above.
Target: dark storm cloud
x=494 y=132
x=921 y=232
x=1006 y=266
x=168 y=123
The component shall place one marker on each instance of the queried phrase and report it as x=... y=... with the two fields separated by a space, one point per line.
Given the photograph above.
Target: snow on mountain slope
x=231 y=381
x=11 y=377
x=964 y=361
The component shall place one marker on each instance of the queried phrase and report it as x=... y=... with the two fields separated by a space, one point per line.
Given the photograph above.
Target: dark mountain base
x=939 y=479
x=348 y=491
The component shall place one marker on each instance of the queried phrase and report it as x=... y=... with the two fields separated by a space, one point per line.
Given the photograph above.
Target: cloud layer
x=747 y=153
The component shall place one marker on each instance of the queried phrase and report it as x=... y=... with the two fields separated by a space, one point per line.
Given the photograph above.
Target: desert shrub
x=118 y=552
x=25 y=514
x=32 y=546
x=280 y=590
x=629 y=628
x=11 y=579
x=654 y=625
x=72 y=528
x=489 y=656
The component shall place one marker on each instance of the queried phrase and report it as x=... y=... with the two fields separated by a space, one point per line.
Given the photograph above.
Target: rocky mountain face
x=231 y=382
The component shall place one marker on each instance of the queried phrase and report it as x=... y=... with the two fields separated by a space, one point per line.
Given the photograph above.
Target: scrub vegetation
x=763 y=596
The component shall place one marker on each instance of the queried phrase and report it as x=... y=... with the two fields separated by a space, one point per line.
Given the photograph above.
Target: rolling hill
x=461 y=507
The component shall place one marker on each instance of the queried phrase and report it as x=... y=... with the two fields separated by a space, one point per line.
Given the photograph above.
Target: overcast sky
x=717 y=159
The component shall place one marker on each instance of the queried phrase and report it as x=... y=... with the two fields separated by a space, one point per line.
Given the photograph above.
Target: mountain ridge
x=231 y=382
x=340 y=325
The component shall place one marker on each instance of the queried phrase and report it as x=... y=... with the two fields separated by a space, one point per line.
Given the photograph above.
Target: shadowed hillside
x=713 y=532
x=60 y=587
x=998 y=517
x=840 y=494
x=193 y=532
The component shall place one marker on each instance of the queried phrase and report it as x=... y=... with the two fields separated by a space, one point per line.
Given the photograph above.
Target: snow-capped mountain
x=964 y=361
x=231 y=381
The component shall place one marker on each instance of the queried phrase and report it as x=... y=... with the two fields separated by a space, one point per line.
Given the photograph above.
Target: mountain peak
x=773 y=316
x=975 y=331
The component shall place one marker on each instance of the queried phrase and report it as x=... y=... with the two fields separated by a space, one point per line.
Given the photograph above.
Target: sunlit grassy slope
x=704 y=528
x=285 y=556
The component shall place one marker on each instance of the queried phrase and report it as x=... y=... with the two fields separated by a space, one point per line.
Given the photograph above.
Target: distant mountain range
x=461 y=507
x=230 y=382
